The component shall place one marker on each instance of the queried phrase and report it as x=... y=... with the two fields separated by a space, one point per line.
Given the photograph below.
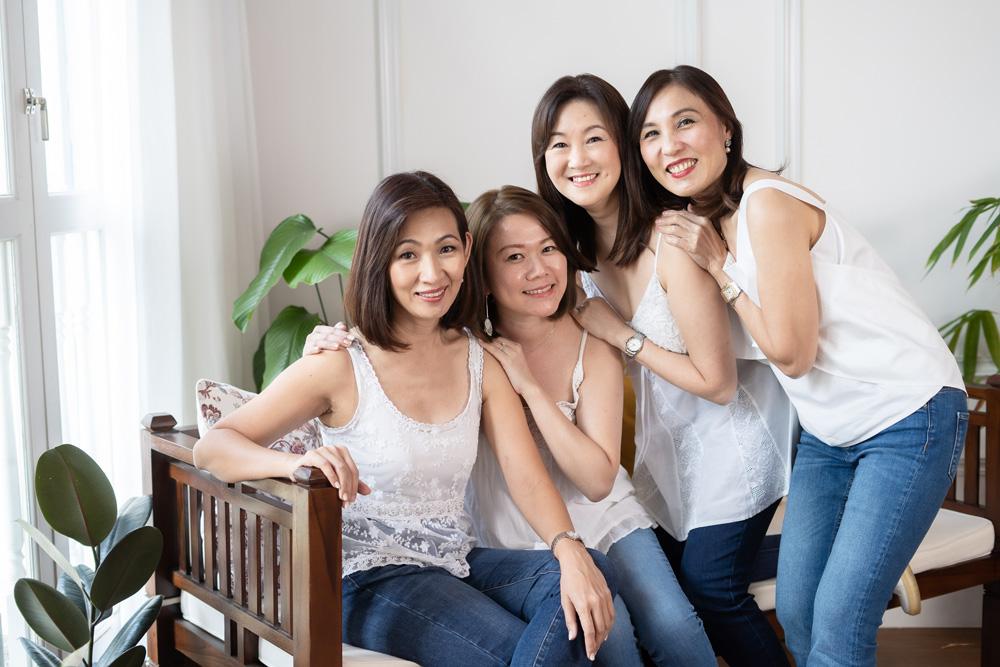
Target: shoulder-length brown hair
x=648 y=197
x=487 y=211
x=614 y=113
x=369 y=302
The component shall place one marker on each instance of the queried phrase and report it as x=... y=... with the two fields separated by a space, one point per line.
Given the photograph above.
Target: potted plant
x=77 y=500
x=973 y=326
x=286 y=257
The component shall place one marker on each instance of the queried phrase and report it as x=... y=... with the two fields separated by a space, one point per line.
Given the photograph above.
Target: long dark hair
x=614 y=113
x=648 y=197
x=369 y=301
x=493 y=206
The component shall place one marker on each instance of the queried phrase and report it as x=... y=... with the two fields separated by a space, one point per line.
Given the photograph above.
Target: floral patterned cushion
x=218 y=399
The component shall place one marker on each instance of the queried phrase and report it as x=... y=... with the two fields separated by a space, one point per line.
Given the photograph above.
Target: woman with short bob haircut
x=402 y=411
x=713 y=427
x=879 y=395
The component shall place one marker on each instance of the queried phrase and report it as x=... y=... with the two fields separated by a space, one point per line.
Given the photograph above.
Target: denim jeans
x=652 y=608
x=506 y=612
x=714 y=566
x=855 y=517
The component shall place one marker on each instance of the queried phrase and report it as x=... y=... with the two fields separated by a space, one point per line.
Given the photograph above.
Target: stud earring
x=487 y=325
x=729 y=144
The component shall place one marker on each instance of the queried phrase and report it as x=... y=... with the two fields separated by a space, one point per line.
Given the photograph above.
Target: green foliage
x=285 y=255
x=975 y=325
x=77 y=500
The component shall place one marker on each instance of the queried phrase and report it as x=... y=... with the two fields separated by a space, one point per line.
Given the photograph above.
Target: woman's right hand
x=585 y=595
x=325 y=337
x=511 y=357
x=337 y=464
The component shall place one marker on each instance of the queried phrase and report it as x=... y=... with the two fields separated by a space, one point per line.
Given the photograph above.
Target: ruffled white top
x=418 y=472
x=497 y=521
x=879 y=358
x=698 y=463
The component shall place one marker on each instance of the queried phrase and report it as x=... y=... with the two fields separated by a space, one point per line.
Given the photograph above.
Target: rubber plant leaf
x=285 y=338
x=290 y=236
x=39 y=655
x=51 y=615
x=128 y=566
x=74 y=495
x=133 y=514
x=53 y=552
x=134 y=657
x=132 y=631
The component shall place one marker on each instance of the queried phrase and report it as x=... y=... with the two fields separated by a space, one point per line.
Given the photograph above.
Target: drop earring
x=487 y=325
x=729 y=144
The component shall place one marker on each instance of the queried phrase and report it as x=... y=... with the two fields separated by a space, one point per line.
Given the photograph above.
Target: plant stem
x=322 y=308
x=322 y=233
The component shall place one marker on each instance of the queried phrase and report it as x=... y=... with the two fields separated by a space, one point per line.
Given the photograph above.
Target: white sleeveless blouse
x=418 y=473
x=497 y=521
x=698 y=463
x=879 y=358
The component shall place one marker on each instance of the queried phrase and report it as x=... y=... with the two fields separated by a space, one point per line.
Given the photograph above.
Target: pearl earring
x=729 y=144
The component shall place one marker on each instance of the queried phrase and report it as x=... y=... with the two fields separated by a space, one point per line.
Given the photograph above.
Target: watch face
x=632 y=344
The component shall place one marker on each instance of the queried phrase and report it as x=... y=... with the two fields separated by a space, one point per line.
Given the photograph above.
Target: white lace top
x=418 y=473
x=878 y=356
x=498 y=522
x=698 y=463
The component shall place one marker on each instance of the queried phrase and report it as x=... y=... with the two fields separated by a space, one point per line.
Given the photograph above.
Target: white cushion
x=213 y=622
x=953 y=538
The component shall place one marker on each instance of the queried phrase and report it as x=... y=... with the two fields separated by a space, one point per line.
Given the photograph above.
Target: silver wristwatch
x=565 y=535
x=633 y=344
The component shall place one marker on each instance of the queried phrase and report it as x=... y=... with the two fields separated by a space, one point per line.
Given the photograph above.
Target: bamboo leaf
x=968 y=222
x=315 y=266
x=290 y=236
x=51 y=614
x=990 y=256
x=49 y=548
x=992 y=336
x=993 y=225
x=970 y=350
x=285 y=338
x=943 y=245
x=74 y=495
x=953 y=341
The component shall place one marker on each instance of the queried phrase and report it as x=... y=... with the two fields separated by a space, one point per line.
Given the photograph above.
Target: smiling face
x=682 y=142
x=525 y=271
x=581 y=158
x=428 y=264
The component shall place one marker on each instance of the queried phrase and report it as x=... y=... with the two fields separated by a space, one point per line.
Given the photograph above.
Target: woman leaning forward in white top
x=405 y=404
x=570 y=383
x=878 y=393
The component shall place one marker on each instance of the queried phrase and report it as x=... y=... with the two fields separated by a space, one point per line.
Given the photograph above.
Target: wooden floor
x=930 y=647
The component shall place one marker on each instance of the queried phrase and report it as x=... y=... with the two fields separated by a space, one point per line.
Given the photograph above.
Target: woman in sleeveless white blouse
x=712 y=433
x=408 y=426
x=879 y=394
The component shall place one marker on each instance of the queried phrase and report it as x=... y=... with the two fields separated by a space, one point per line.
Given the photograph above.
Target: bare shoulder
x=601 y=354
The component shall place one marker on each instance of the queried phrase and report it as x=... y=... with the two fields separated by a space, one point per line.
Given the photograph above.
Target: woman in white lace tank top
x=711 y=435
x=408 y=425
x=879 y=394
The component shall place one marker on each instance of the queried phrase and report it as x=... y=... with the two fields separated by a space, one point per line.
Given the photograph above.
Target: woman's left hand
x=696 y=236
x=598 y=317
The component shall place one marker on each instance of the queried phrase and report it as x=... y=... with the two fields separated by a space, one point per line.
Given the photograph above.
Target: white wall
x=888 y=109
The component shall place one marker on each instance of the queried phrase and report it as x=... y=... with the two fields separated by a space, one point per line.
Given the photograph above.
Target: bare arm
x=583 y=589
x=588 y=451
x=235 y=448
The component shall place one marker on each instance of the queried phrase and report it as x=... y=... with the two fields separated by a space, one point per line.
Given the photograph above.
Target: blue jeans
x=652 y=608
x=506 y=612
x=855 y=517
x=714 y=566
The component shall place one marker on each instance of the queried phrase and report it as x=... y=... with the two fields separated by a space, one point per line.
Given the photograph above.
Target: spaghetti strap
x=786 y=187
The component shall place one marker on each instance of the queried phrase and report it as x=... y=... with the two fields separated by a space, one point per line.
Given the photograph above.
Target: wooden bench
x=254 y=525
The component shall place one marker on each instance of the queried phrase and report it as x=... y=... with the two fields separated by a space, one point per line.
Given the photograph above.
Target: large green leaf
x=315 y=266
x=39 y=655
x=970 y=350
x=74 y=495
x=133 y=657
x=287 y=239
x=128 y=566
x=132 y=631
x=284 y=340
x=46 y=544
x=51 y=614
x=133 y=514
x=258 y=364
x=992 y=336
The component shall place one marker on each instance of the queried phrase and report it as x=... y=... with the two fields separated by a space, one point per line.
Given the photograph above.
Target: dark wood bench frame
x=305 y=516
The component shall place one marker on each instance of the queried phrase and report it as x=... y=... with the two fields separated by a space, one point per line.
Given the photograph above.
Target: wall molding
x=788 y=118
x=687 y=32
x=387 y=91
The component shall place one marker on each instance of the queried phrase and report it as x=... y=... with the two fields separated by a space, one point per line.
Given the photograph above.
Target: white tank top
x=698 y=463
x=418 y=472
x=498 y=523
x=879 y=358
